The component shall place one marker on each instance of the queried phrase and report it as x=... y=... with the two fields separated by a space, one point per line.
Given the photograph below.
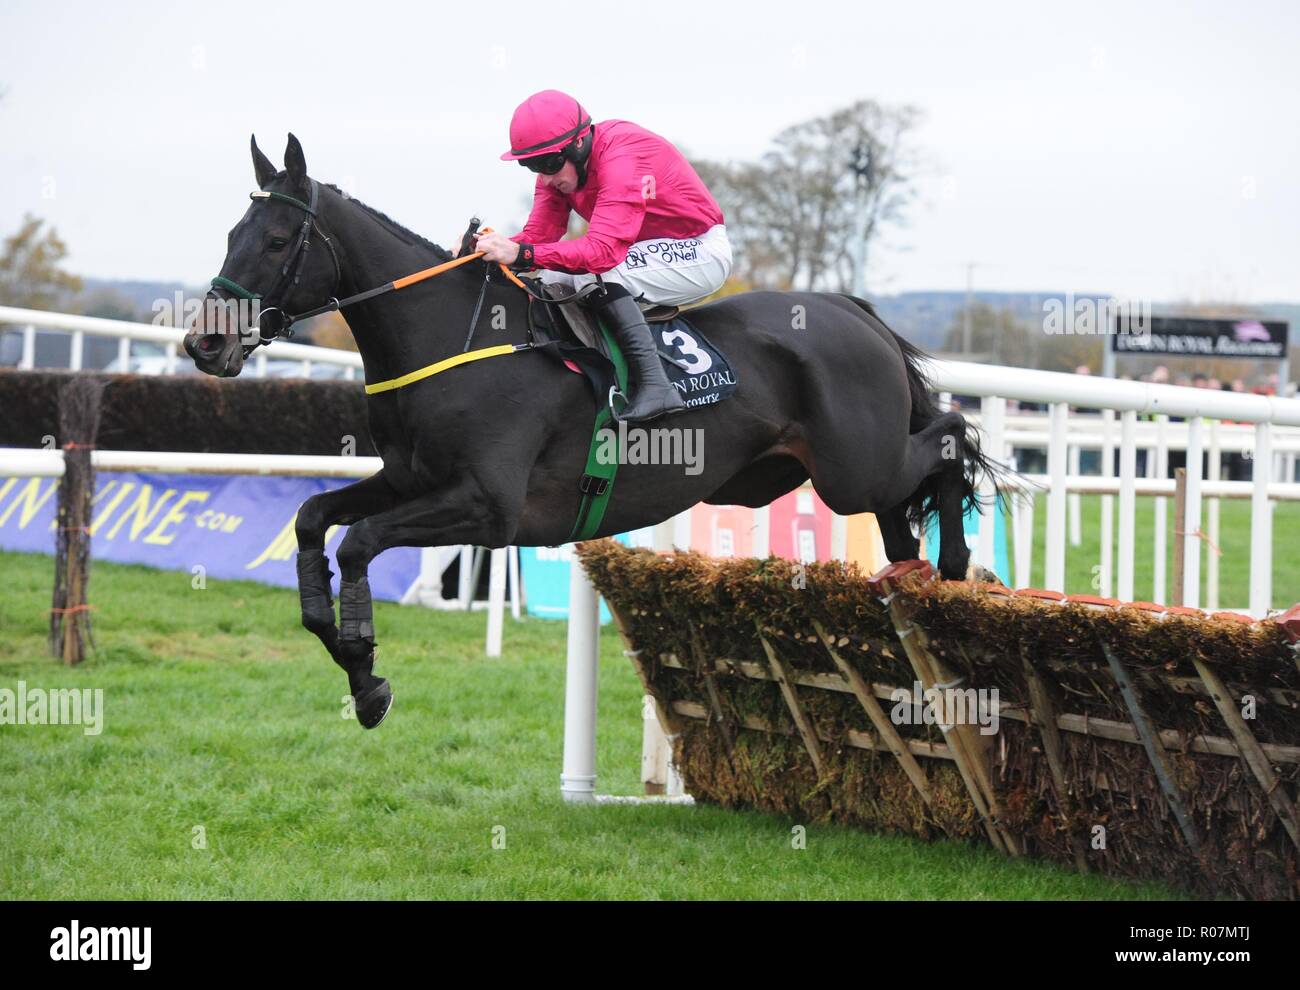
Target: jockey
x=654 y=232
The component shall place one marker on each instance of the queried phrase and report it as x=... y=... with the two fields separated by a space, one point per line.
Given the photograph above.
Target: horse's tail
x=923 y=504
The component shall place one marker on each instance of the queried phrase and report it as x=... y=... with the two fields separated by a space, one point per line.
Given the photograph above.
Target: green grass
x=220 y=713
x=1234 y=541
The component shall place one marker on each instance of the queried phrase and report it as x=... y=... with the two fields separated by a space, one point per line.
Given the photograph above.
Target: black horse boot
x=650 y=392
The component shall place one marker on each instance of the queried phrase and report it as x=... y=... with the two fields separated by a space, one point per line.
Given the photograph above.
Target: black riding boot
x=650 y=392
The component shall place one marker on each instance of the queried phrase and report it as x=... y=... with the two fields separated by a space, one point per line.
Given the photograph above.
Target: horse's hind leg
x=896 y=531
x=954 y=555
x=938 y=448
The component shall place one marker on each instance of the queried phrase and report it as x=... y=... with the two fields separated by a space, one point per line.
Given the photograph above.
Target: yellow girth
x=428 y=371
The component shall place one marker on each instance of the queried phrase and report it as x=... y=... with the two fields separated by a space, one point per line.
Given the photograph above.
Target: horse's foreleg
x=463 y=515
x=342 y=506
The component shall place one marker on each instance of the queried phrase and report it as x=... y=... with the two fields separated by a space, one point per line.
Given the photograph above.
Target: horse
x=489 y=453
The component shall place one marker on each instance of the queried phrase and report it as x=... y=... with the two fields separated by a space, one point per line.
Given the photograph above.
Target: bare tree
x=794 y=215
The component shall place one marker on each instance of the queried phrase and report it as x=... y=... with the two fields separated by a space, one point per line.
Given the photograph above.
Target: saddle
x=580 y=319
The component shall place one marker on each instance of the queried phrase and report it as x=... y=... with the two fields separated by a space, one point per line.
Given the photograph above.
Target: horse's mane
x=410 y=236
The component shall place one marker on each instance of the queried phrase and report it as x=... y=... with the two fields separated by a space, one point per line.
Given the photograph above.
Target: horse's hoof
x=372 y=707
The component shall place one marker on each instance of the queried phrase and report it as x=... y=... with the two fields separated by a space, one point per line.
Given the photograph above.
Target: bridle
x=290 y=272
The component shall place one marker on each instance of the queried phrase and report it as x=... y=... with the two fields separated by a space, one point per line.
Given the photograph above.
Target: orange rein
x=446 y=266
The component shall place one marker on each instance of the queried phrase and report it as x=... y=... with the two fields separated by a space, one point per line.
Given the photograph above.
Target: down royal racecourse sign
x=1178 y=335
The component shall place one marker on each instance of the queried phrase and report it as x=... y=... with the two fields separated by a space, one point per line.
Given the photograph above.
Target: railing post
x=496 y=600
x=993 y=415
x=1056 y=459
x=1212 y=473
x=1160 y=563
x=28 y=359
x=1191 y=520
x=76 y=355
x=1127 y=502
x=762 y=531
x=1107 y=470
x=1076 y=521
x=124 y=353
x=1261 y=523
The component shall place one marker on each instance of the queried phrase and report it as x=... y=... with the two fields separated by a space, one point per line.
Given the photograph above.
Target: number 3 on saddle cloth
x=697 y=369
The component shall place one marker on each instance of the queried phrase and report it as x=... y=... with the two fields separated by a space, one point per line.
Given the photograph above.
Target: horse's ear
x=263 y=170
x=294 y=162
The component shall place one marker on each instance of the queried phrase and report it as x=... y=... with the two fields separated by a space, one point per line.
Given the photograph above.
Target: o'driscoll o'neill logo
x=77 y=944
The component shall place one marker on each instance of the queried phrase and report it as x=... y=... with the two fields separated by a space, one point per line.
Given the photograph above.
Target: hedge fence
x=1132 y=740
x=194 y=414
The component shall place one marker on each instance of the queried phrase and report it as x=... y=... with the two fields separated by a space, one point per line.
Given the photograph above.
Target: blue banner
x=231 y=526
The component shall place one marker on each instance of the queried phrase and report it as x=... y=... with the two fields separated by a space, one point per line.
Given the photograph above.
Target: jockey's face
x=564 y=181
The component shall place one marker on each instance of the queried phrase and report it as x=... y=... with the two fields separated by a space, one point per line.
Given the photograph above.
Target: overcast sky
x=1148 y=149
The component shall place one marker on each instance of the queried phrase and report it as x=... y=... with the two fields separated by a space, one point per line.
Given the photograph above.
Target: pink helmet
x=545 y=122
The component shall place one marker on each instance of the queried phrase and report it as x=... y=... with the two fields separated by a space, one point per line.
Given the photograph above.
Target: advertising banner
x=231 y=526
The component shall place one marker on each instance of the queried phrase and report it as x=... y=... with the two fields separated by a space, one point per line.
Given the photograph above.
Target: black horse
x=490 y=453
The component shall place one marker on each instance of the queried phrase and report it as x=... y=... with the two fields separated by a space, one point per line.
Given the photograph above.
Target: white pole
x=1127 y=502
x=496 y=600
x=1076 y=523
x=1192 y=515
x=124 y=353
x=839 y=537
x=682 y=530
x=516 y=599
x=992 y=413
x=259 y=364
x=578 y=778
x=465 y=592
x=427 y=588
x=1261 y=523
x=1056 y=458
x=762 y=531
x=1159 y=564
x=170 y=366
x=76 y=357
x=1025 y=542
x=1107 y=503
x=28 y=359
x=1213 y=470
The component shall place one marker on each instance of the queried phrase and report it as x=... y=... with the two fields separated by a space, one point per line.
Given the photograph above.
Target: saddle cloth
x=699 y=371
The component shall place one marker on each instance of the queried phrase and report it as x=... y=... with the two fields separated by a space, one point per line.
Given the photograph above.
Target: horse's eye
x=278 y=243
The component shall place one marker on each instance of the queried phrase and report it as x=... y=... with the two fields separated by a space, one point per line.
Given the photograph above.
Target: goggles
x=547 y=164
